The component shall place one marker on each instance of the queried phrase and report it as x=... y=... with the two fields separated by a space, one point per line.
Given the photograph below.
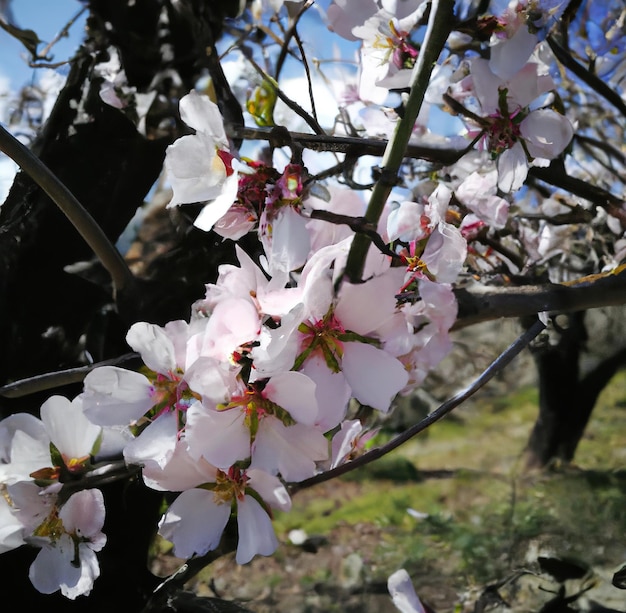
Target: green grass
x=484 y=515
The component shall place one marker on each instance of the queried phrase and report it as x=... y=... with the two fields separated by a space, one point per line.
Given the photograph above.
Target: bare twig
x=62 y=34
x=593 y=81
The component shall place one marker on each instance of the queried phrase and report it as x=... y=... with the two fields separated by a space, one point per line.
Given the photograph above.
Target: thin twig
x=493 y=369
x=290 y=33
x=307 y=71
x=594 y=82
x=62 y=34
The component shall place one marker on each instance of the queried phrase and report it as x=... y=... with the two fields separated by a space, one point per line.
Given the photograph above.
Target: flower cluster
x=257 y=388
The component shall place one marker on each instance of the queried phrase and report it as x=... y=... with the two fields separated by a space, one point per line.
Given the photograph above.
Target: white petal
x=70 y=431
x=374 y=376
x=291 y=451
x=11 y=529
x=220 y=203
x=157 y=442
x=546 y=133
x=202 y=114
x=403 y=593
x=194 y=523
x=295 y=393
x=22 y=422
x=84 y=513
x=509 y=56
x=512 y=168
x=182 y=472
x=221 y=437
x=364 y=307
x=154 y=345
x=53 y=569
x=270 y=488
x=115 y=396
x=332 y=391
x=256 y=533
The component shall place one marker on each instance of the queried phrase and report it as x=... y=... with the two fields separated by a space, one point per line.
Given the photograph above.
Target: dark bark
x=566 y=398
x=50 y=318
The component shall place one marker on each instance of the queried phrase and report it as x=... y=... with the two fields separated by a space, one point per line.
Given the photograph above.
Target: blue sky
x=46 y=18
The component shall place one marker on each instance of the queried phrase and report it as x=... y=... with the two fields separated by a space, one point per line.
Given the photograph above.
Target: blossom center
x=230 y=485
x=503 y=131
x=322 y=336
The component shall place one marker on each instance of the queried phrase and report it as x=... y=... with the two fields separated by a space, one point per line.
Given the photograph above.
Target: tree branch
x=555 y=175
x=585 y=75
x=482 y=303
x=352 y=145
x=80 y=218
x=59 y=378
x=439 y=25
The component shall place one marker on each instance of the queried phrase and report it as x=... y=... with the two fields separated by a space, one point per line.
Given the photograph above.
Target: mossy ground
x=453 y=507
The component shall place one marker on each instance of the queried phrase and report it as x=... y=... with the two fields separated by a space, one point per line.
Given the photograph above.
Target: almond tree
x=309 y=273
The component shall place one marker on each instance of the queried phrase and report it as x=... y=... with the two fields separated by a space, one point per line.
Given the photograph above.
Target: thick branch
x=481 y=303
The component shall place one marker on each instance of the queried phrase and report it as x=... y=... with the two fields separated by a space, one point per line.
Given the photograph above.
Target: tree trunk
x=50 y=318
x=566 y=398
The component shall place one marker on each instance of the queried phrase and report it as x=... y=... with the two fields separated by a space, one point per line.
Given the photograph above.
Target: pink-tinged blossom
x=387 y=53
x=115 y=396
x=436 y=247
x=342 y=332
x=247 y=282
x=478 y=192
x=511 y=130
x=270 y=422
x=199 y=166
x=195 y=521
x=69 y=537
x=403 y=593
